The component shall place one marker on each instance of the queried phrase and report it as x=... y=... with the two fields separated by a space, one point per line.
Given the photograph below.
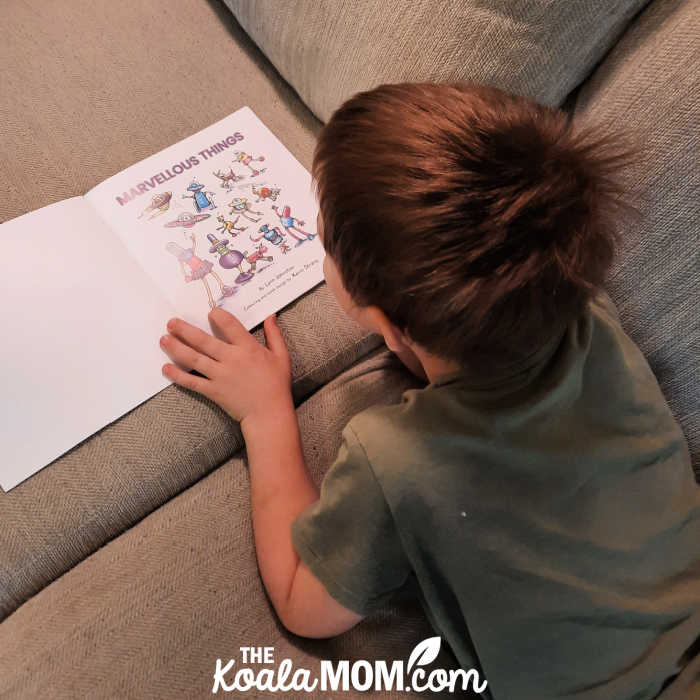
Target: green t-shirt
x=550 y=524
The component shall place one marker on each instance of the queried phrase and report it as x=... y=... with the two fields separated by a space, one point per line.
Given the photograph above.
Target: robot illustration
x=202 y=200
x=259 y=254
x=289 y=223
x=265 y=193
x=187 y=220
x=198 y=270
x=245 y=159
x=227 y=179
x=240 y=205
x=229 y=227
x=159 y=204
x=271 y=235
x=228 y=258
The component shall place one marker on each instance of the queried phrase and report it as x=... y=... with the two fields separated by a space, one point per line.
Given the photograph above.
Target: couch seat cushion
x=148 y=614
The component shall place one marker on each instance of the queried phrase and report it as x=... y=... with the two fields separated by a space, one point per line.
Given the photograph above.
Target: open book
x=225 y=218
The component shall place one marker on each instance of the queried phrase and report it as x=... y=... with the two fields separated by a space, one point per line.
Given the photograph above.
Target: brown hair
x=480 y=222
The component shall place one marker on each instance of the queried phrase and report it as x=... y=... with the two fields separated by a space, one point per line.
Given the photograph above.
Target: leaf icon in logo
x=424 y=653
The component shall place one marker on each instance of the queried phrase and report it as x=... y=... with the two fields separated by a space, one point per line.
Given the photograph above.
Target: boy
x=537 y=493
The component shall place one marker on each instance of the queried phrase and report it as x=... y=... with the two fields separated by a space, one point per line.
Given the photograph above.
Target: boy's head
x=478 y=222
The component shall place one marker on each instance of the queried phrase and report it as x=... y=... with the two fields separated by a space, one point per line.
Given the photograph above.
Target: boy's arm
x=280 y=489
x=252 y=384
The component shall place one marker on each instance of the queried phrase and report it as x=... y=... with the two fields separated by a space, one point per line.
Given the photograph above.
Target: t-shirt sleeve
x=348 y=538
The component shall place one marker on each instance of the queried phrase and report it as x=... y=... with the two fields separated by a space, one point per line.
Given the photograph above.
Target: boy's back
x=550 y=521
x=537 y=495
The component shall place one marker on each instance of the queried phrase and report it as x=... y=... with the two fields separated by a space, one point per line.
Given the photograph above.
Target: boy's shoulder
x=394 y=425
x=400 y=439
x=594 y=386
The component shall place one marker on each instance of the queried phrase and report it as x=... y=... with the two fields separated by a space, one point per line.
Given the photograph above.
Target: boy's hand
x=249 y=381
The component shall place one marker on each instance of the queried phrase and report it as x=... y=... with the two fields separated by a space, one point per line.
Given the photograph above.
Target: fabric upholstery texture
x=88 y=100
x=148 y=614
x=329 y=49
x=649 y=86
x=93 y=90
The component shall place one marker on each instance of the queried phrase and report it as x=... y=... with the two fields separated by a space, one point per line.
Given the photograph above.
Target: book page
x=81 y=323
x=225 y=218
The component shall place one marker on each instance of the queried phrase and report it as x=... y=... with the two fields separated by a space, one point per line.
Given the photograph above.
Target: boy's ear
x=394 y=337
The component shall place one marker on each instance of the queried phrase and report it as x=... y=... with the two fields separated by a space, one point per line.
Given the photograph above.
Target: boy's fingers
x=187 y=380
x=231 y=328
x=196 y=338
x=274 y=337
x=187 y=356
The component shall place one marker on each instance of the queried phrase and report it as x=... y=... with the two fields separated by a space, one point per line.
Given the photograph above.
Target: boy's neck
x=434 y=366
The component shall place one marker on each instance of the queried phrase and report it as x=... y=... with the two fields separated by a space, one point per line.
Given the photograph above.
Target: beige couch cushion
x=148 y=614
x=89 y=93
x=330 y=49
x=649 y=85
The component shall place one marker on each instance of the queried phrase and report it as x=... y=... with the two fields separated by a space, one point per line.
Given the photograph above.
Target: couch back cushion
x=649 y=86
x=330 y=49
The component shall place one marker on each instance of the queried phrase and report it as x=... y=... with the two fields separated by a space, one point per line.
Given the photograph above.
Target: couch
x=127 y=566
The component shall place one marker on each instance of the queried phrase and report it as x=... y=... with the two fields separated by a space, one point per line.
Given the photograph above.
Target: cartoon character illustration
x=272 y=235
x=229 y=227
x=160 y=202
x=245 y=159
x=284 y=247
x=187 y=220
x=259 y=254
x=240 y=205
x=198 y=270
x=228 y=258
x=289 y=223
x=265 y=193
x=202 y=200
x=227 y=179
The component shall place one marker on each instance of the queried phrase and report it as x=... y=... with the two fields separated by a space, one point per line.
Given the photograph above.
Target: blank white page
x=80 y=328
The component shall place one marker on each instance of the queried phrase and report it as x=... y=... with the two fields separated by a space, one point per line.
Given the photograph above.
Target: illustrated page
x=225 y=218
x=81 y=322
